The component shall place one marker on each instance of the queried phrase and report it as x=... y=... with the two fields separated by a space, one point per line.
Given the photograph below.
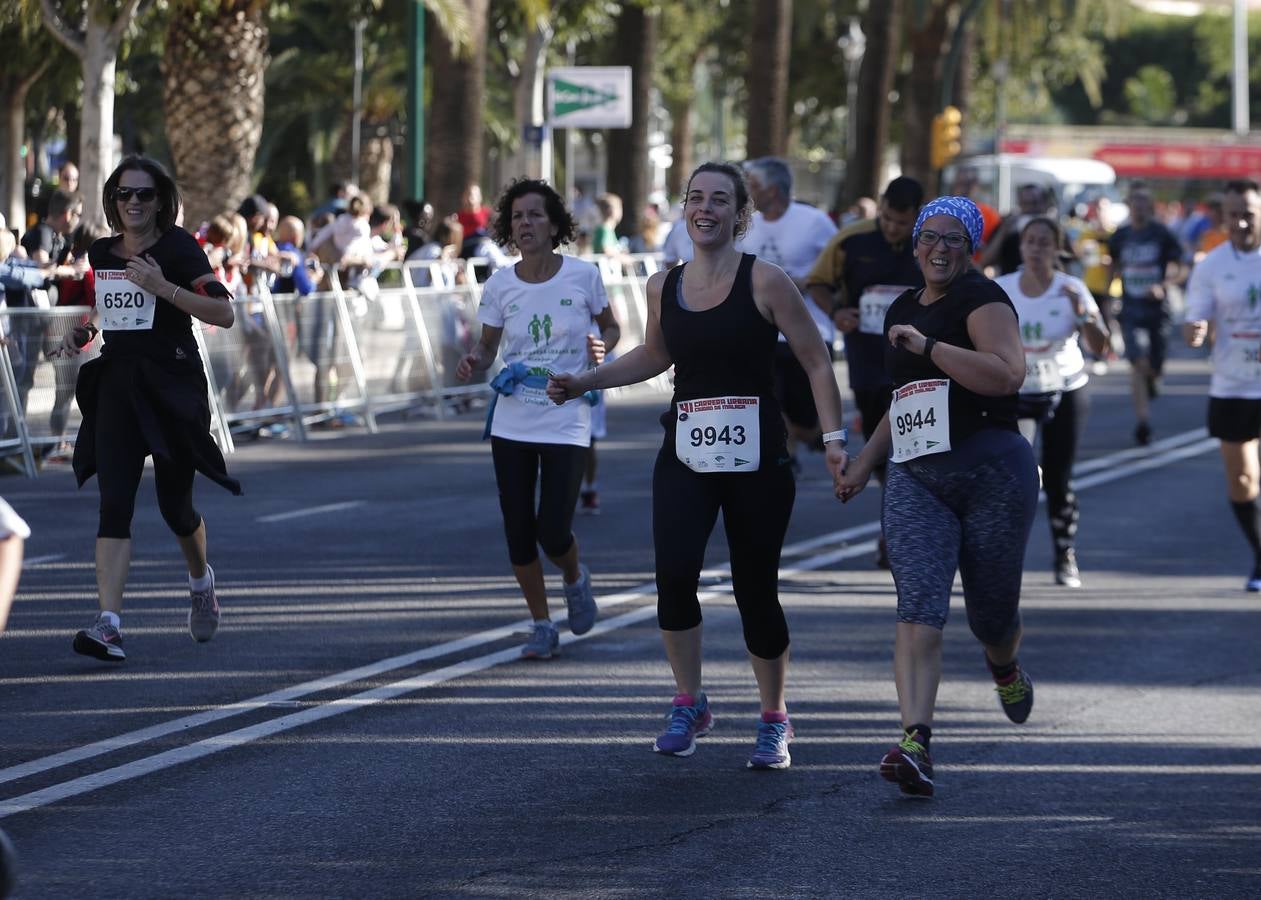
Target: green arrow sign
x=570 y=98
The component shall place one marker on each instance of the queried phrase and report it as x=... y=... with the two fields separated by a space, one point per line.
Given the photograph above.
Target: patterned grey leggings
x=940 y=517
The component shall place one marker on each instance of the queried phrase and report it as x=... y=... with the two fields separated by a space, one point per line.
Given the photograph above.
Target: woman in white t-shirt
x=1054 y=309
x=538 y=313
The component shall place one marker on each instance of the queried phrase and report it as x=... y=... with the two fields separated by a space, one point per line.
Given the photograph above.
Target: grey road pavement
x=361 y=726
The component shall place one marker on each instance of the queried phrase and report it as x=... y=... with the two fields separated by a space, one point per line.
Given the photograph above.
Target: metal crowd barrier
x=289 y=364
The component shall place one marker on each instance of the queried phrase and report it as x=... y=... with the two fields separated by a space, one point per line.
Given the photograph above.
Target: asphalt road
x=361 y=726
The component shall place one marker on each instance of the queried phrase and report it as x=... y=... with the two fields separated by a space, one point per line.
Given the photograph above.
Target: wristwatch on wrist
x=837 y=437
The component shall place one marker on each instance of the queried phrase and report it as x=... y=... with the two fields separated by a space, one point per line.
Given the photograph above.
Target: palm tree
x=454 y=133
x=767 y=80
x=875 y=80
x=635 y=39
x=213 y=79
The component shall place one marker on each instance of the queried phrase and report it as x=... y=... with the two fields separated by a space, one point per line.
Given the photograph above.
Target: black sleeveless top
x=726 y=351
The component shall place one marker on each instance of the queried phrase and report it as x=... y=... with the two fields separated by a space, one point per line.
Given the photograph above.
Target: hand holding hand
x=851 y=481
x=562 y=387
x=836 y=458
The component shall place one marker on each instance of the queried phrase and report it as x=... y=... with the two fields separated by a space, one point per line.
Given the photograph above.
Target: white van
x=1068 y=178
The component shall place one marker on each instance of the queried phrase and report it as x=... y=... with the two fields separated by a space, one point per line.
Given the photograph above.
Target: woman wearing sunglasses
x=962 y=488
x=146 y=394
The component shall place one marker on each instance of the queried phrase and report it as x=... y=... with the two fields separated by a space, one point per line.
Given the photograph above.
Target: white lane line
x=40 y=560
x=179 y=755
x=310 y=511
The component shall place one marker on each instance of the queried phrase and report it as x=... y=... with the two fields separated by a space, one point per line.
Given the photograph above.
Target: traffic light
x=947 y=132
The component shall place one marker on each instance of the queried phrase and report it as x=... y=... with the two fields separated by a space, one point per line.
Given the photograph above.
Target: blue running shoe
x=1254 y=583
x=771 y=751
x=688 y=720
x=581 y=604
x=544 y=642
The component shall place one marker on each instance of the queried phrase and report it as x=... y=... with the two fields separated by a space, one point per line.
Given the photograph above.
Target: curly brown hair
x=501 y=222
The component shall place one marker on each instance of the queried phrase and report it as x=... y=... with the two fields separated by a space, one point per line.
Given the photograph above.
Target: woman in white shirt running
x=1056 y=312
x=538 y=313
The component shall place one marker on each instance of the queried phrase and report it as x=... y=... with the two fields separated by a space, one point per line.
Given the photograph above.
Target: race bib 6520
x=123 y=306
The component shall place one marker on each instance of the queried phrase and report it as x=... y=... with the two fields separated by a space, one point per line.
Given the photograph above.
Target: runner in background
x=539 y=311
x=862 y=270
x=1148 y=258
x=790 y=235
x=1055 y=310
x=1224 y=307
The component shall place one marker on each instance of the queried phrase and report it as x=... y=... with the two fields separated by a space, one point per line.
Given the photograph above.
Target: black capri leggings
x=517 y=472
x=120 y=454
x=1060 y=437
x=755 y=510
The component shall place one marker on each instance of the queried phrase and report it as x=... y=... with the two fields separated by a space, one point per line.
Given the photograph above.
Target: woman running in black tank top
x=716 y=320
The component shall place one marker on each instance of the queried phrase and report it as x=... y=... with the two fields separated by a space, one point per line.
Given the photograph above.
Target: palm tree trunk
x=928 y=44
x=453 y=130
x=627 y=156
x=767 y=78
x=214 y=109
x=875 y=80
x=682 y=130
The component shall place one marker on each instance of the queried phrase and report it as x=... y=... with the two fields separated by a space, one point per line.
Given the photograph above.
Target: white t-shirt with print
x=1225 y=290
x=793 y=242
x=545 y=327
x=1048 y=326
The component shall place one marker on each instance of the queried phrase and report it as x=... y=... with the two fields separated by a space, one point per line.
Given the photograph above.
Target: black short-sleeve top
x=947 y=321
x=182 y=261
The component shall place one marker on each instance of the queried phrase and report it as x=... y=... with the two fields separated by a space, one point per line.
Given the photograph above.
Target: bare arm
x=482 y=355
x=995 y=368
x=214 y=310
x=776 y=294
x=646 y=361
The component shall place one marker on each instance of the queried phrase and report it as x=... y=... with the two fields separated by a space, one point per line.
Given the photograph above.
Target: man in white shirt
x=1224 y=306
x=791 y=235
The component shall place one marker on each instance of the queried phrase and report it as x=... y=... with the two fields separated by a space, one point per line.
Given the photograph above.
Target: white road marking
x=40 y=560
x=1169 y=451
x=310 y=511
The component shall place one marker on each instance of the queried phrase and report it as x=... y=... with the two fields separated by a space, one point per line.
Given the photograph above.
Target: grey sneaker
x=544 y=643
x=203 y=615
x=581 y=604
x=102 y=640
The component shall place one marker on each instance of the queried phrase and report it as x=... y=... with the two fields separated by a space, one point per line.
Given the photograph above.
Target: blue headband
x=960 y=208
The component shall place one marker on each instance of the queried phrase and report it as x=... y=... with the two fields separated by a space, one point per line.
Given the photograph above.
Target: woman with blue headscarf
x=962 y=487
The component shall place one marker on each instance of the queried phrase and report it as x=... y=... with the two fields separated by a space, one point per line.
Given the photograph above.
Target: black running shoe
x=1016 y=696
x=909 y=766
x=1142 y=434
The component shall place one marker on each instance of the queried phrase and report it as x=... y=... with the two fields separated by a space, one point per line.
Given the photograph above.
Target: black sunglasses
x=144 y=195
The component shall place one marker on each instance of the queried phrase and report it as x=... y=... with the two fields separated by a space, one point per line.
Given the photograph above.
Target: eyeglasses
x=144 y=195
x=954 y=239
